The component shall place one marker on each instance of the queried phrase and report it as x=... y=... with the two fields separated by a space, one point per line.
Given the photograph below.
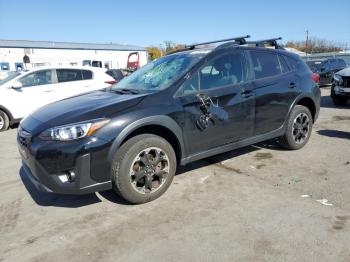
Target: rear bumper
x=81 y=184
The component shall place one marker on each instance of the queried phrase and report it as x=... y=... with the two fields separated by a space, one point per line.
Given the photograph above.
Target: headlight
x=73 y=131
x=338 y=79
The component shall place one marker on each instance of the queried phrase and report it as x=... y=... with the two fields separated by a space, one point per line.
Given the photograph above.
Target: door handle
x=292 y=85
x=48 y=91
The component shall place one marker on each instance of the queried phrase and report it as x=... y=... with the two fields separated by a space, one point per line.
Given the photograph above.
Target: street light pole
x=307 y=41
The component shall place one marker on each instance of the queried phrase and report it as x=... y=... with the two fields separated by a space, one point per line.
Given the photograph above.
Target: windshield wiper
x=125 y=91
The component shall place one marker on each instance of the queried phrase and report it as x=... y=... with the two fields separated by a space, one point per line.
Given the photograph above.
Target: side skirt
x=229 y=147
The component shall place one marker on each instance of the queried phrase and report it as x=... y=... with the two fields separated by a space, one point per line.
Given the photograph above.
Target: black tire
x=4 y=121
x=296 y=135
x=124 y=162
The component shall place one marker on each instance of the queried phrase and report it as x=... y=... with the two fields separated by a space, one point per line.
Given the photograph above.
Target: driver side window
x=226 y=70
x=43 y=77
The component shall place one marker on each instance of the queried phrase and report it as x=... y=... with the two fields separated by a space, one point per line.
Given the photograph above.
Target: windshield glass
x=160 y=73
x=10 y=76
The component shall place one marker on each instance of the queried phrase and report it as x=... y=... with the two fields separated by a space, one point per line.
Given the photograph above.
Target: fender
x=296 y=101
x=160 y=120
x=8 y=113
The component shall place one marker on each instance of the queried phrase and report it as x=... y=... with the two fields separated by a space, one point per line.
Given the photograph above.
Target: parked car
x=5 y=73
x=326 y=68
x=117 y=74
x=177 y=109
x=340 y=91
x=23 y=92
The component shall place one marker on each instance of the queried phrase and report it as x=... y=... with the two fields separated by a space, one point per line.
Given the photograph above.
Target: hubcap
x=301 y=127
x=2 y=122
x=149 y=170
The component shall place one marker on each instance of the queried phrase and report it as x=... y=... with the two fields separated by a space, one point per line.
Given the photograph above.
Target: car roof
x=66 y=67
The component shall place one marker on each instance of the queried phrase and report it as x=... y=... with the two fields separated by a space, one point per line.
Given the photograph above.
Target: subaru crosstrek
x=182 y=107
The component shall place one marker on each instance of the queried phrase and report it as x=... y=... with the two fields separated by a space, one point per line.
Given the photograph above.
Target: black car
x=326 y=68
x=185 y=106
x=340 y=91
x=117 y=74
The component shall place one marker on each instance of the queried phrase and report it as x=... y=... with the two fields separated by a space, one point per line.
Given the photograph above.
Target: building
x=45 y=53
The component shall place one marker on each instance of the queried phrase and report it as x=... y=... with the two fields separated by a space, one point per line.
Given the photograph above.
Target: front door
x=218 y=103
x=37 y=90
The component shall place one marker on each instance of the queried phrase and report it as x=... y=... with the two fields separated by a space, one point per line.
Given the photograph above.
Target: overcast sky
x=151 y=22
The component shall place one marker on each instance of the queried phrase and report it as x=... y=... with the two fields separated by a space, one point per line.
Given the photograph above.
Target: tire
x=338 y=100
x=4 y=121
x=133 y=168
x=298 y=131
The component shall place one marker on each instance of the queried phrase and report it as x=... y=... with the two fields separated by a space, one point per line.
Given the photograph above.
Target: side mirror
x=17 y=85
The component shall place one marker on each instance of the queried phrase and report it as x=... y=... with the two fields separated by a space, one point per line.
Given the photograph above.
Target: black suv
x=326 y=68
x=177 y=109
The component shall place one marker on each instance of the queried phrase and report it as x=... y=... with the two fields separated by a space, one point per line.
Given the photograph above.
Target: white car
x=23 y=92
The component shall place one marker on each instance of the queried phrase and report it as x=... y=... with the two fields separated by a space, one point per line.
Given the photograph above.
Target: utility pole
x=307 y=41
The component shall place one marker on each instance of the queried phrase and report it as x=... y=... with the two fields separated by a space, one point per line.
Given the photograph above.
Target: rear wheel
x=4 y=121
x=299 y=127
x=143 y=168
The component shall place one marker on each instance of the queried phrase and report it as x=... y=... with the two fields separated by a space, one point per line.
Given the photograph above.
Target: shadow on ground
x=334 y=133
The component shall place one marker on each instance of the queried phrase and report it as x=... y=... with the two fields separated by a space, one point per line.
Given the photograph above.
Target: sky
x=146 y=23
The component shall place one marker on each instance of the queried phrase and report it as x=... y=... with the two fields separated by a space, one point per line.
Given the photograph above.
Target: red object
x=112 y=82
x=316 y=78
x=133 y=63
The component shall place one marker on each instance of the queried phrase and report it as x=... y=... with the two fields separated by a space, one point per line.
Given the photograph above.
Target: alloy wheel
x=149 y=170
x=2 y=122
x=301 y=127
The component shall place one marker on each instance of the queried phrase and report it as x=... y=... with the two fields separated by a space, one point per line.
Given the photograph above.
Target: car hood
x=84 y=107
x=344 y=72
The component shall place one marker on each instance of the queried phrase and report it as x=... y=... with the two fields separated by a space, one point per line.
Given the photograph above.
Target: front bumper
x=342 y=91
x=82 y=183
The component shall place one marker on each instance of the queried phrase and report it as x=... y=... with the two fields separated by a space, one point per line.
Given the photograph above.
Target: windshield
x=10 y=76
x=160 y=73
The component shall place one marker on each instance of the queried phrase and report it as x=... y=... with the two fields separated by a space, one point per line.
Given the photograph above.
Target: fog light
x=71 y=176
x=64 y=178
x=68 y=177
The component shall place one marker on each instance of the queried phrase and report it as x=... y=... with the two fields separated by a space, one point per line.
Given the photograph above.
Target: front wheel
x=4 y=121
x=337 y=100
x=143 y=168
x=299 y=127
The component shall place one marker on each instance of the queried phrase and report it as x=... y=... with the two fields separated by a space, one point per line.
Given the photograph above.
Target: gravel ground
x=245 y=205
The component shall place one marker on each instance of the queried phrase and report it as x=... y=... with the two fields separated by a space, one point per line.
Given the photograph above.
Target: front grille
x=346 y=81
x=24 y=137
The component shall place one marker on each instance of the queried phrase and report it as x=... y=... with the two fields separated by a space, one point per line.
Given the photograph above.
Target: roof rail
x=262 y=43
x=241 y=40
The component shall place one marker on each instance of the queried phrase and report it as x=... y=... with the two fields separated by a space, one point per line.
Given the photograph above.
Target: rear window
x=265 y=64
x=87 y=74
x=68 y=75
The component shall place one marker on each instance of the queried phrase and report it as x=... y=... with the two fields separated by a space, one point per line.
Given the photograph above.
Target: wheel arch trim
x=158 y=120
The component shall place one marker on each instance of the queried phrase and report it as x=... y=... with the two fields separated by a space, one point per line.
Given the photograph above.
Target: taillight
x=316 y=78
x=111 y=82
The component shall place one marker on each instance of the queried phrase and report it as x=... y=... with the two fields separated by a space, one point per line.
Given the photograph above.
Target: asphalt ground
x=258 y=203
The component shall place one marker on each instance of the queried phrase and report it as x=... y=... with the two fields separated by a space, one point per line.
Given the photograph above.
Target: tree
x=315 y=45
x=155 y=52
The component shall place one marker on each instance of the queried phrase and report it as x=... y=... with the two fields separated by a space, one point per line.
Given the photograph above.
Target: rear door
x=223 y=83
x=276 y=87
x=73 y=82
